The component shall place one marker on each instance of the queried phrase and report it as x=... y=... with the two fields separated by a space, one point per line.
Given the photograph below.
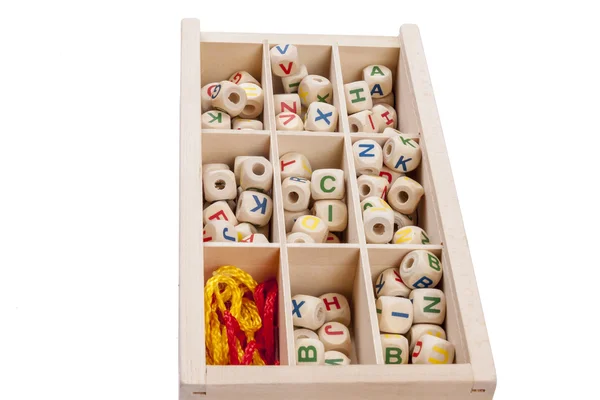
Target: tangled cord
x=240 y=319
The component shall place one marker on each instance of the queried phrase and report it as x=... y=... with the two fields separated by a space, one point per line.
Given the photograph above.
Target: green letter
x=392 y=355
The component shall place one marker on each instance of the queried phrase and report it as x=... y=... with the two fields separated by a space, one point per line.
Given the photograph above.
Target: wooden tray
x=314 y=269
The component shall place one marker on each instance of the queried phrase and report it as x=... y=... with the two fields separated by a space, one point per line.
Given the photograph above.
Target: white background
x=89 y=97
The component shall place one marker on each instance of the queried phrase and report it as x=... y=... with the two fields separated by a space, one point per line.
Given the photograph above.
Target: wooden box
x=349 y=267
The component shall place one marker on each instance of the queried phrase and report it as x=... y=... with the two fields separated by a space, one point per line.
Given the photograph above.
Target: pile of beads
x=370 y=102
x=235 y=213
x=408 y=303
x=241 y=97
x=325 y=188
x=240 y=319
x=307 y=102
x=322 y=336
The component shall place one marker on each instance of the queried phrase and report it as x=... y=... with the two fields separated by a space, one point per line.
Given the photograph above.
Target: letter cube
x=256 y=173
x=241 y=77
x=308 y=312
x=285 y=60
x=255 y=208
x=335 y=337
x=401 y=154
x=255 y=100
x=370 y=185
x=205 y=96
x=380 y=81
x=418 y=330
x=312 y=226
x=333 y=357
x=389 y=99
x=384 y=116
x=337 y=308
x=429 y=306
x=328 y=184
x=292 y=82
x=303 y=333
x=309 y=352
x=363 y=121
x=219 y=185
x=247 y=124
x=358 y=97
x=219 y=231
x=315 y=88
x=389 y=174
x=295 y=164
x=296 y=193
x=229 y=97
x=379 y=225
x=394 y=348
x=421 y=269
x=402 y=220
x=215 y=119
x=410 y=235
x=287 y=103
x=332 y=238
x=255 y=238
x=288 y=121
x=244 y=230
x=389 y=283
x=321 y=117
x=299 y=237
x=374 y=201
x=395 y=314
x=290 y=217
x=333 y=212
x=432 y=350
x=405 y=194
x=368 y=157
x=219 y=210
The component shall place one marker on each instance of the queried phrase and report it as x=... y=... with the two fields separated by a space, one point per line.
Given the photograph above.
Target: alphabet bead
x=241 y=77
x=219 y=231
x=374 y=201
x=402 y=220
x=379 y=225
x=255 y=238
x=384 y=116
x=389 y=99
x=312 y=226
x=404 y=195
x=254 y=207
x=394 y=348
x=284 y=60
x=291 y=83
x=287 y=103
x=432 y=350
x=288 y=121
x=303 y=333
x=247 y=124
x=328 y=183
x=295 y=164
x=315 y=88
x=335 y=337
x=333 y=212
x=421 y=269
x=229 y=97
x=309 y=352
x=358 y=97
x=379 y=79
x=205 y=96
x=255 y=99
x=290 y=217
x=368 y=157
x=369 y=185
x=332 y=238
x=296 y=193
x=337 y=308
x=237 y=168
x=418 y=330
x=429 y=306
x=410 y=235
x=363 y=121
x=308 y=312
x=321 y=117
x=395 y=314
x=215 y=119
x=219 y=185
x=389 y=174
x=389 y=283
x=401 y=154
x=244 y=230
x=219 y=210
x=333 y=357
x=299 y=237
x=256 y=173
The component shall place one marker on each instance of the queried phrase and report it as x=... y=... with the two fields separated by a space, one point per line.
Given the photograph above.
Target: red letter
x=330 y=332
x=289 y=68
x=288 y=116
x=284 y=106
x=386 y=175
x=417 y=352
x=371 y=121
x=328 y=303
x=218 y=214
x=398 y=279
x=388 y=121
x=284 y=164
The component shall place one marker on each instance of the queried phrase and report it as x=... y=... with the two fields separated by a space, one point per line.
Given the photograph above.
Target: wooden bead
x=337 y=308
x=254 y=207
x=328 y=184
x=358 y=97
x=370 y=185
x=404 y=195
x=402 y=220
x=229 y=97
x=205 y=96
x=401 y=154
x=288 y=121
x=219 y=231
x=335 y=337
x=286 y=103
x=389 y=283
x=219 y=185
x=299 y=237
x=247 y=124
x=429 y=306
x=418 y=330
x=410 y=235
x=315 y=88
x=219 y=210
x=363 y=121
x=432 y=350
x=380 y=81
x=389 y=99
x=285 y=60
x=421 y=269
x=308 y=311
x=395 y=348
x=292 y=82
x=379 y=225
x=312 y=226
x=255 y=99
x=295 y=164
x=240 y=77
x=368 y=157
x=255 y=238
x=215 y=119
x=296 y=193
x=333 y=357
x=333 y=212
x=256 y=173
x=303 y=333
x=332 y=238
x=213 y=167
x=237 y=167
x=244 y=229
x=389 y=174
x=309 y=352
x=384 y=116
x=289 y=217
x=395 y=314
x=373 y=201
x=321 y=117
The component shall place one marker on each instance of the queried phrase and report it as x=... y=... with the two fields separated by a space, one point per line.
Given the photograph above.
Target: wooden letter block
x=395 y=314
x=243 y=77
x=389 y=283
x=384 y=117
x=333 y=357
x=358 y=97
x=247 y=124
x=371 y=185
x=219 y=210
x=315 y=88
x=421 y=269
x=429 y=306
x=299 y=237
x=215 y=119
x=333 y=212
x=363 y=121
x=205 y=95
x=290 y=217
x=368 y=157
x=405 y=194
x=401 y=154
x=296 y=193
x=308 y=312
x=328 y=184
x=432 y=350
x=380 y=81
x=335 y=336
x=312 y=226
x=244 y=230
x=286 y=103
x=255 y=208
x=410 y=235
x=337 y=308
x=418 y=330
x=285 y=60
x=229 y=97
x=289 y=121
x=219 y=185
x=292 y=82
x=256 y=173
x=309 y=352
x=321 y=117
x=255 y=99
x=332 y=238
x=219 y=231
x=374 y=201
x=379 y=225
x=389 y=174
x=394 y=348
x=303 y=333
x=295 y=164
x=255 y=238
x=402 y=220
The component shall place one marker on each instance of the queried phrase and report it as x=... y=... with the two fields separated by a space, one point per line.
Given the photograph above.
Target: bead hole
x=234 y=98
x=403 y=197
x=365 y=190
x=220 y=184
x=249 y=109
x=293 y=197
x=410 y=263
x=379 y=229
x=258 y=169
x=388 y=149
x=353 y=128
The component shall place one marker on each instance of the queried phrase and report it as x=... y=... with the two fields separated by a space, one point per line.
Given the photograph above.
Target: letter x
x=324 y=116
x=297 y=308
